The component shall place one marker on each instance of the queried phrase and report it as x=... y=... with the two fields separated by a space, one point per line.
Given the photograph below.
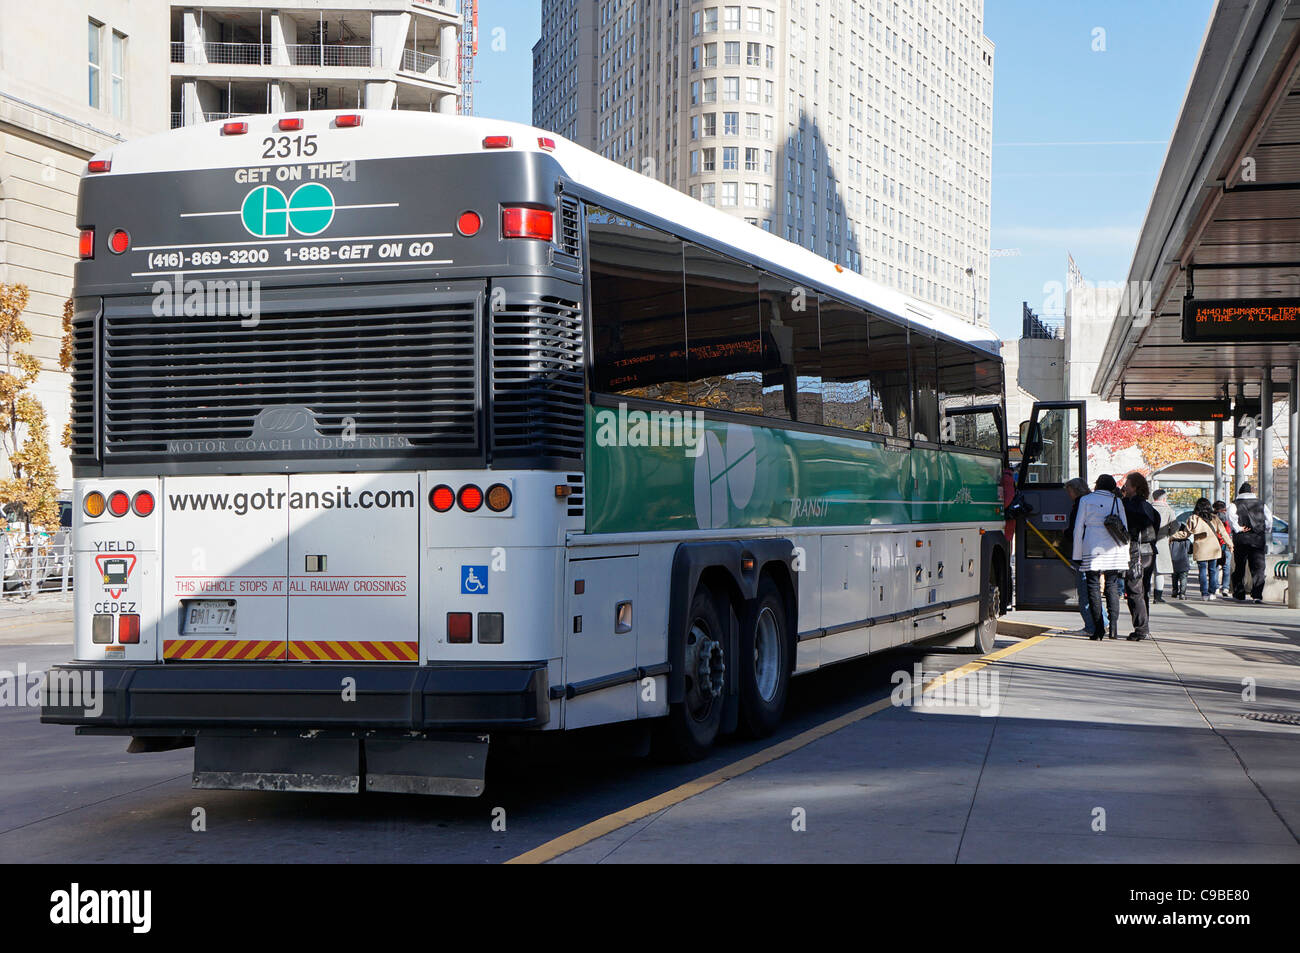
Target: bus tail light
x=99 y=165
x=142 y=503
x=528 y=223
x=498 y=142
x=470 y=498
x=128 y=629
x=93 y=504
x=118 y=241
x=234 y=128
x=442 y=498
x=348 y=120
x=469 y=223
x=460 y=627
x=491 y=628
x=101 y=628
x=499 y=498
x=86 y=244
x=119 y=504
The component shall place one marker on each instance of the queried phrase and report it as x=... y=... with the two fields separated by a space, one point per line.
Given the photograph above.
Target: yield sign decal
x=115 y=571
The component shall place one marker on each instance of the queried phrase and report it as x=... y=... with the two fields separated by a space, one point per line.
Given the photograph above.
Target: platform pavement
x=44 y=619
x=1151 y=733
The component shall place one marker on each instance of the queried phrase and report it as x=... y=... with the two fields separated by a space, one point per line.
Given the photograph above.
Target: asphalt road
x=67 y=798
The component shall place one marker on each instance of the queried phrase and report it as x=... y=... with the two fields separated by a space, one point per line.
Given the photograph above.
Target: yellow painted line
x=612 y=822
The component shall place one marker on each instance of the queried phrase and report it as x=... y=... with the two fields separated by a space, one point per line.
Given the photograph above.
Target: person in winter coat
x=1102 y=557
x=1181 y=561
x=1143 y=524
x=1077 y=489
x=1204 y=529
x=1164 y=560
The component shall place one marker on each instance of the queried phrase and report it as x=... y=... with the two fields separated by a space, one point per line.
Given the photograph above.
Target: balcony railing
x=313 y=54
x=265 y=54
x=178 y=119
x=417 y=62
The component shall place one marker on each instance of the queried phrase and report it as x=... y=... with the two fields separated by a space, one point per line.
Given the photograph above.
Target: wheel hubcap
x=767 y=655
x=706 y=670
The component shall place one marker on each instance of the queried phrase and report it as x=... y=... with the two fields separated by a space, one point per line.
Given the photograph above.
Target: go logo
x=266 y=213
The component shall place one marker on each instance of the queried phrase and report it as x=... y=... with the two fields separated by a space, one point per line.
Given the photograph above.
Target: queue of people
x=1124 y=541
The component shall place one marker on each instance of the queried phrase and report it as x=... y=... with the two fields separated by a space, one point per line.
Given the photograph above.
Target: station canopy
x=1223 y=224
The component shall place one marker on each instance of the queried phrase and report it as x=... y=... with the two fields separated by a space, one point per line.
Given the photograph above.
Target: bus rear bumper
x=185 y=698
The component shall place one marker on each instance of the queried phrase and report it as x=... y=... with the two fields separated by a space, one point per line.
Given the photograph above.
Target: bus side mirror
x=1032 y=444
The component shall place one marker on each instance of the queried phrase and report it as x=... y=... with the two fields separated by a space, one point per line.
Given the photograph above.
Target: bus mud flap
x=452 y=765
x=277 y=762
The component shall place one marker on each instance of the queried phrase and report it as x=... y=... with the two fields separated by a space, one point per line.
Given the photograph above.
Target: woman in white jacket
x=1103 y=558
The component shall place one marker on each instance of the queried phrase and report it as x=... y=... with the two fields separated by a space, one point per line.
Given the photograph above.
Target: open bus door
x=1054 y=450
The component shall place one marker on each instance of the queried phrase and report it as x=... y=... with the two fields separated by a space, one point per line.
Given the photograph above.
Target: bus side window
x=890 y=384
x=638 y=325
x=724 y=357
x=925 y=388
x=845 y=362
x=792 y=370
x=956 y=389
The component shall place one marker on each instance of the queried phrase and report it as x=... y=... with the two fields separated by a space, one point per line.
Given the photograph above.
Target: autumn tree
x=32 y=482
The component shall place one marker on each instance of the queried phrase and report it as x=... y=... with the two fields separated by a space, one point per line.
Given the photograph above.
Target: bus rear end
x=327 y=441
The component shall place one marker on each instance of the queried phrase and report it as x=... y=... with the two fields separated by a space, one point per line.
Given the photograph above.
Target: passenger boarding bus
x=396 y=432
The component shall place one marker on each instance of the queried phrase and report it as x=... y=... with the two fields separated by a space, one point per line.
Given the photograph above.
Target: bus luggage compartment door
x=354 y=567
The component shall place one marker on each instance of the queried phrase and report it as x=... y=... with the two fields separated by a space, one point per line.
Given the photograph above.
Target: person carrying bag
x=1204 y=529
x=1100 y=524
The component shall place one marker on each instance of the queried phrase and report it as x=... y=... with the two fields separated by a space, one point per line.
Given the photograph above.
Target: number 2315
x=283 y=147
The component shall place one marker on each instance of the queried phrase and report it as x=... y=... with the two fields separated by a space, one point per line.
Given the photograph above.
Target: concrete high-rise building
x=75 y=78
x=245 y=57
x=860 y=129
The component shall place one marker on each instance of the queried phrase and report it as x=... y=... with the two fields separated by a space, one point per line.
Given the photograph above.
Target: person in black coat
x=1143 y=525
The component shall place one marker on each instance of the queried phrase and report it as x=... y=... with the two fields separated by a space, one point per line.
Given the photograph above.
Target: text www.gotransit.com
x=340 y=498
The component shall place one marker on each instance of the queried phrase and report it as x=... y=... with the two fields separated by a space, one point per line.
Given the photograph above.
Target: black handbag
x=1115 y=525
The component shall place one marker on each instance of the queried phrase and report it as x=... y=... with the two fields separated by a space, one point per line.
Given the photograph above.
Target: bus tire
x=764 y=662
x=986 y=630
x=693 y=724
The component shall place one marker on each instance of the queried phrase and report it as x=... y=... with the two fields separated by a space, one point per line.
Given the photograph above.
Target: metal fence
x=38 y=567
x=313 y=54
x=417 y=62
x=178 y=119
x=265 y=54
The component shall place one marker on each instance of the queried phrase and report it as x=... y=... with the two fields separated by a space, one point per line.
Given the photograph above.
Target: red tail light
x=86 y=244
x=442 y=498
x=471 y=498
x=289 y=125
x=460 y=627
x=469 y=223
x=119 y=504
x=128 y=629
x=348 y=120
x=546 y=143
x=118 y=241
x=234 y=128
x=142 y=503
x=528 y=223
x=99 y=165
x=498 y=142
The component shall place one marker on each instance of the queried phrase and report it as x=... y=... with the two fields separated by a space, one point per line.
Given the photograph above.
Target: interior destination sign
x=1175 y=410
x=1247 y=319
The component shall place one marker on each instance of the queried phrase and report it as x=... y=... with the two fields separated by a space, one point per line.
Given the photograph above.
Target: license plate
x=208 y=617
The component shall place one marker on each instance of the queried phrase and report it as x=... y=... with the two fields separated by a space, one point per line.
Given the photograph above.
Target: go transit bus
x=396 y=432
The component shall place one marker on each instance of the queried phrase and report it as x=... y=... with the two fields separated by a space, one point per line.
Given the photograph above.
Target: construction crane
x=468 y=50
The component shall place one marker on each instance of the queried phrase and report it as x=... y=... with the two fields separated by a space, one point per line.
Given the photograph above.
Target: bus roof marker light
x=469 y=223
x=289 y=125
x=497 y=142
x=234 y=128
x=547 y=143
x=86 y=244
x=348 y=120
x=536 y=223
x=99 y=165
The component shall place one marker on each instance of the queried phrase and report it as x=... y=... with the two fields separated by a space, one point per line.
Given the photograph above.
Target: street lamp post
x=974 y=314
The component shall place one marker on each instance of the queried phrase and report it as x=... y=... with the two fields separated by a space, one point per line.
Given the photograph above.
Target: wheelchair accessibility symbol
x=473 y=580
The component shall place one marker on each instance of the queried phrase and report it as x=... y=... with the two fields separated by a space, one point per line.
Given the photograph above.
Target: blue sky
x=1113 y=109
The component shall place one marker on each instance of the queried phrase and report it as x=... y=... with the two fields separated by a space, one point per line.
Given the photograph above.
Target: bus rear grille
x=83 y=386
x=400 y=380
x=568 y=235
x=537 y=378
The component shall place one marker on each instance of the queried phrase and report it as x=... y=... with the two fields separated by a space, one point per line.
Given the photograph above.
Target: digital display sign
x=1241 y=321
x=1175 y=410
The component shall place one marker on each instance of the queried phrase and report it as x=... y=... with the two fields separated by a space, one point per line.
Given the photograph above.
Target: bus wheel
x=693 y=723
x=764 y=663
x=987 y=629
